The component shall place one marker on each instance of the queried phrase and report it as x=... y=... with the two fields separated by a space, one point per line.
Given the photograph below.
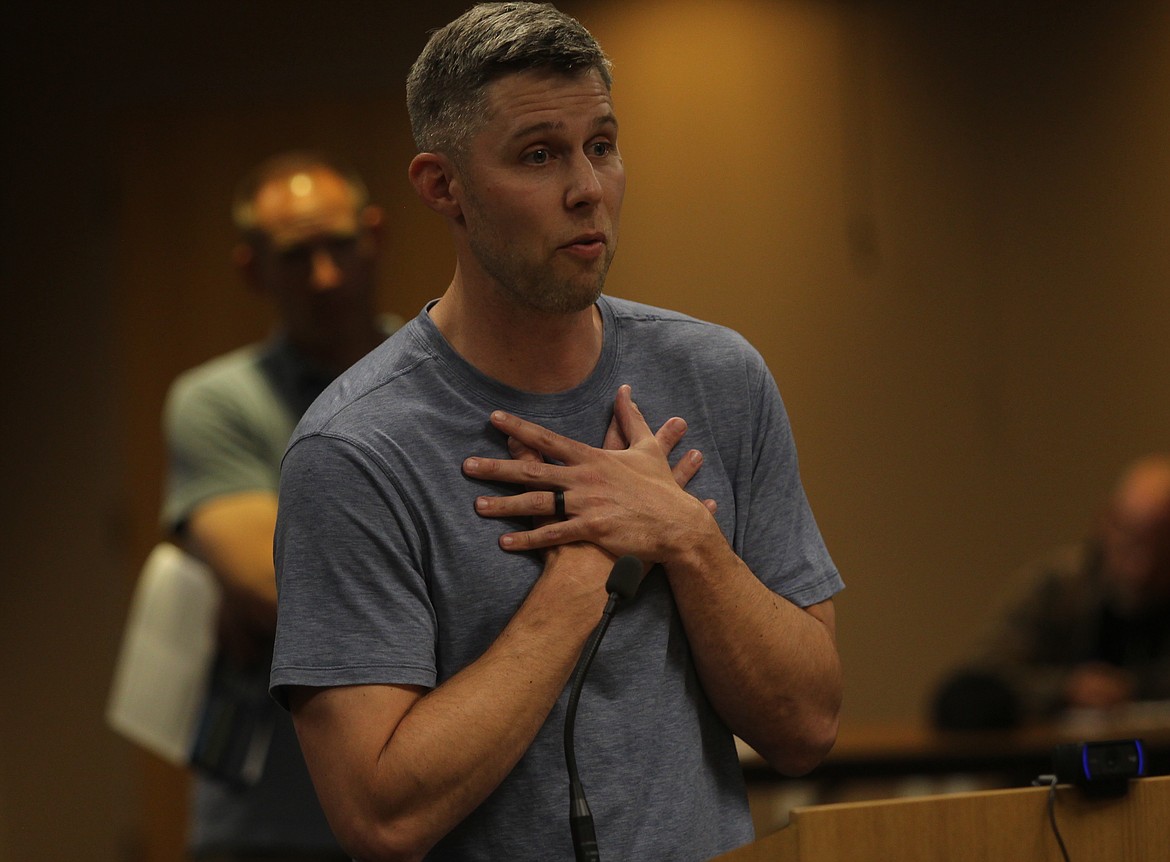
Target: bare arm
x=770 y=668
x=233 y=535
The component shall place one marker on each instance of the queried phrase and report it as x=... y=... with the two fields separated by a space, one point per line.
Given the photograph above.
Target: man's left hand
x=626 y=500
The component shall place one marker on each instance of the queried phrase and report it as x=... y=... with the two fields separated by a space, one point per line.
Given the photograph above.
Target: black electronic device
x=1101 y=769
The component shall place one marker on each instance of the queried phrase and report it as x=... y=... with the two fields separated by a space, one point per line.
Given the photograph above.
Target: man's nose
x=584 y=186
x=326 y=274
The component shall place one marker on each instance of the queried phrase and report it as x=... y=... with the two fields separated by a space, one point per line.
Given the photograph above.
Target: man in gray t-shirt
x=451 y=507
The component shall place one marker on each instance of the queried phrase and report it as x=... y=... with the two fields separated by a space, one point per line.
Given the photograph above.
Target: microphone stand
x=623 y=582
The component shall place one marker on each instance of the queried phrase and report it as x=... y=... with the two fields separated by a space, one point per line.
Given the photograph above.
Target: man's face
x=541 y=189
x=315 y=260
x=1136 y=547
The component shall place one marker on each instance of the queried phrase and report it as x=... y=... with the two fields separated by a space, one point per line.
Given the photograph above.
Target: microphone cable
x=623 y=582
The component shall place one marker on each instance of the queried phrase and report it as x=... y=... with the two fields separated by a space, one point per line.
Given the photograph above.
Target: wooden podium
x=988 y=826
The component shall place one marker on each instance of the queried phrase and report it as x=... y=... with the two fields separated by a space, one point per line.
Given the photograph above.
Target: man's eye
x=537 y=157
x=296 y=255
x=601 y=148
x=340 y=246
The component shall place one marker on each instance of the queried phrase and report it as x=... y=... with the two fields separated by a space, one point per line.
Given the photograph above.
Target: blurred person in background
x=1088 y=626
x=309 y=239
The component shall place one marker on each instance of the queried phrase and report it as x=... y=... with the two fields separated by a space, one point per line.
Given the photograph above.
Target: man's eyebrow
x=339 y=235
x=609 y=119
x=538 y=128
x=558 y=125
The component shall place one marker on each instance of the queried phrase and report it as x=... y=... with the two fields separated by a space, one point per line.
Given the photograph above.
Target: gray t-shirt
x=387 y=575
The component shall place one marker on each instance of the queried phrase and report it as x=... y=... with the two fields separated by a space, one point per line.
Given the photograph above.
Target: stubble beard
x=536 y=288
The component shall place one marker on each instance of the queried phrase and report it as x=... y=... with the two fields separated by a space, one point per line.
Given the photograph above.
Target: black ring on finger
x=559 y=504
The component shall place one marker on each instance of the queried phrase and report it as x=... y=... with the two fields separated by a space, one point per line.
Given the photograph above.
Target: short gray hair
x=445 y=88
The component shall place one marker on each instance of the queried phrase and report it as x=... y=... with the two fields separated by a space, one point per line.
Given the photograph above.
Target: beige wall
x=944 y=229
x=946 y=234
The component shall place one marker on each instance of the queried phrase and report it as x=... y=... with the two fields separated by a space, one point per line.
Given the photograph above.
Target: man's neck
x=526 y=349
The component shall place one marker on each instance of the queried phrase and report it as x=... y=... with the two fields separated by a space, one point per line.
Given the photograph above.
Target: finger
x=686 y=468
x=630 y=419
x=528 y=504
x=535 y=473
x=520 y=452
x=669 y=435
x=614 y=439
x=544 y=441
x=547 y=535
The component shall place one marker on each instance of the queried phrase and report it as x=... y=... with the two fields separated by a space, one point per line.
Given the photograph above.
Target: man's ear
x=434 y=180
x=372 y=218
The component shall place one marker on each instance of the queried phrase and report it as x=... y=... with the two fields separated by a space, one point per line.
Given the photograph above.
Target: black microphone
x=624 y=579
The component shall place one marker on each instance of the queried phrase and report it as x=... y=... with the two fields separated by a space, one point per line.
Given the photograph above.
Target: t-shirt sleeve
x=354 y=605
x=780 y=539
x=213 y=448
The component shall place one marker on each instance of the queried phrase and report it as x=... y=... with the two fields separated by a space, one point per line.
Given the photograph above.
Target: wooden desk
x=879 y=751
x=990 y=826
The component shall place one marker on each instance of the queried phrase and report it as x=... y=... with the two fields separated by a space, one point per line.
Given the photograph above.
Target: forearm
x=771 y=669
x=419 y=776
x=233 y=535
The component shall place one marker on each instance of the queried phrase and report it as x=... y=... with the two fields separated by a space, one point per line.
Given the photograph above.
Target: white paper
x=167 y=650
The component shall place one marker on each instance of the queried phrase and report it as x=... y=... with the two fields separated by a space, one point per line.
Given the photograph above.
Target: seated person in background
x=1091 y=628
